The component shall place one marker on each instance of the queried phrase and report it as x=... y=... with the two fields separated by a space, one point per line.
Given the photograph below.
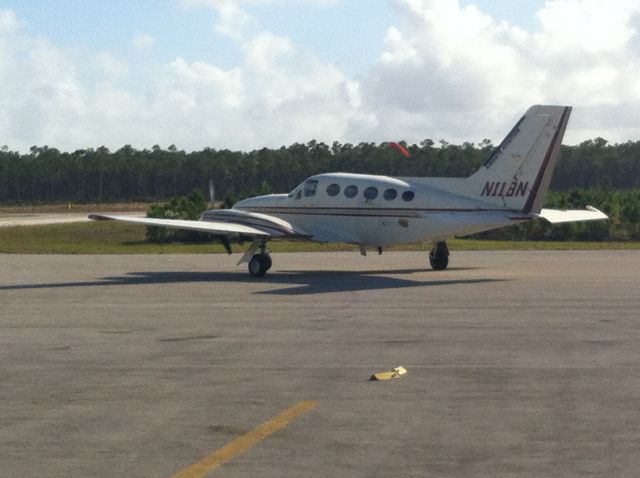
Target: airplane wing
x=555 y=216
x=224 y=222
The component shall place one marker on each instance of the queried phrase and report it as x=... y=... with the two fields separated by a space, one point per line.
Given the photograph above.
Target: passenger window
x=333 y=190
x=390 y=194
x=310 y=188
x=371 y=193
x=351 y=191
x=408 y=196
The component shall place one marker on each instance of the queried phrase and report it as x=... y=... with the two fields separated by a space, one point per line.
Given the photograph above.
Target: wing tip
x=99 y=217
x=597 y=211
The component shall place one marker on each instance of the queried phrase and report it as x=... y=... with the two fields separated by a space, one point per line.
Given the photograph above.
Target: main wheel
x=266 y=257
x=439 y=256
x=259 y=265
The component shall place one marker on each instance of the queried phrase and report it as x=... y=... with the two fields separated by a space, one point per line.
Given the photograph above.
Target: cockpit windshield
x=310 y=187
x=296 y=193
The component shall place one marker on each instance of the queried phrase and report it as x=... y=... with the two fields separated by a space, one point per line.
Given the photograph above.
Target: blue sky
x=521 y=12
x=346 y=34
x=350 y=34
x=245 y=74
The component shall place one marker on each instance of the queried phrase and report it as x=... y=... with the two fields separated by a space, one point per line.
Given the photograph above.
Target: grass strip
x=121 y=238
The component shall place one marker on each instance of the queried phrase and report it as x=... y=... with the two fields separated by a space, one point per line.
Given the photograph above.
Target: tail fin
x=518 y=172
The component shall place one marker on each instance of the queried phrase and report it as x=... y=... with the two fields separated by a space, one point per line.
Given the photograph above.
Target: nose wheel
x=439 y=256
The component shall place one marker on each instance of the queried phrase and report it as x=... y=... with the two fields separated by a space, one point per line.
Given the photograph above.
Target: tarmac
x=519 y=364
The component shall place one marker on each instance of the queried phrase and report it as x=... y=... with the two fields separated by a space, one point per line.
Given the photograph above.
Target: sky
x=247 y=74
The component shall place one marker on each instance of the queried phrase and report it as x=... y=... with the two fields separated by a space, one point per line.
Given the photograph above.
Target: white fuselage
x=379 y=210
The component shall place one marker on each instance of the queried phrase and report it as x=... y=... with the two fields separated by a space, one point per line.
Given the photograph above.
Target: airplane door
x=372 y=200
x=371 y=196
x=389 y=227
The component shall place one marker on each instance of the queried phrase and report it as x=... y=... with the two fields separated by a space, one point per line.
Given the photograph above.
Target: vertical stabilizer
x=518 y=172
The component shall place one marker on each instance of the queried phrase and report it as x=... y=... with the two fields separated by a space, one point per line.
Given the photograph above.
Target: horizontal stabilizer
x=556 y=216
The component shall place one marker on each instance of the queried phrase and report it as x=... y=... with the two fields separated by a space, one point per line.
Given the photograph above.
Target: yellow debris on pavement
x=395 y=373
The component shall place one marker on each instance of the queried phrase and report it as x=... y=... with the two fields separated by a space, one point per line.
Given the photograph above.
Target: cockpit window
x=295 y=193
x=310 y=188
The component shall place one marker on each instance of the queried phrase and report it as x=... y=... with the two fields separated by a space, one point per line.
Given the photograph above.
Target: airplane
x=380 y=211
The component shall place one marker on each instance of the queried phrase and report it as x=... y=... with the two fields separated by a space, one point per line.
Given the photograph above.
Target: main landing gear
x=439 y=256
x=260 y=263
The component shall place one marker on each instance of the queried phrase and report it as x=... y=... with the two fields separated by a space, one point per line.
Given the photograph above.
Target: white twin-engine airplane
x=381 y=211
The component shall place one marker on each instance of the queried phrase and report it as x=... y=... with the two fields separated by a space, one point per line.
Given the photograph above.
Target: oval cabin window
x=408 y=196
x=351 y=191
x=371 y=193
x=390 y=194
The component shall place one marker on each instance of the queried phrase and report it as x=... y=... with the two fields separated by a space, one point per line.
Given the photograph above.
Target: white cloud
x=111 y=67
x=233 y=19
x=8 y=22
x=586 y=26
x=282 y=98
x=447 y=71
x=452 y=72
x=448 y=66
x=264 y=52
x=276 y=95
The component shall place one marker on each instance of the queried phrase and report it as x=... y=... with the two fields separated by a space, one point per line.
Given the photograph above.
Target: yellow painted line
x=245 y=442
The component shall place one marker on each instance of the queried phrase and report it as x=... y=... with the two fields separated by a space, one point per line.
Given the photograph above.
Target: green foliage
x=188 y=207
x=229 y=201
x=622 y=207
x=265 y=189
x=99 y=175
x=594 y=172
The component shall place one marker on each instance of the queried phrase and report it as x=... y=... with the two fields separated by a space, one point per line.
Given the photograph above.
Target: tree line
x=99 y=175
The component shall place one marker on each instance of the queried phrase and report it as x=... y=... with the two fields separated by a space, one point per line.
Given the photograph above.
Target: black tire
x=267 y=260
x=258 y=265
x=439 y=257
